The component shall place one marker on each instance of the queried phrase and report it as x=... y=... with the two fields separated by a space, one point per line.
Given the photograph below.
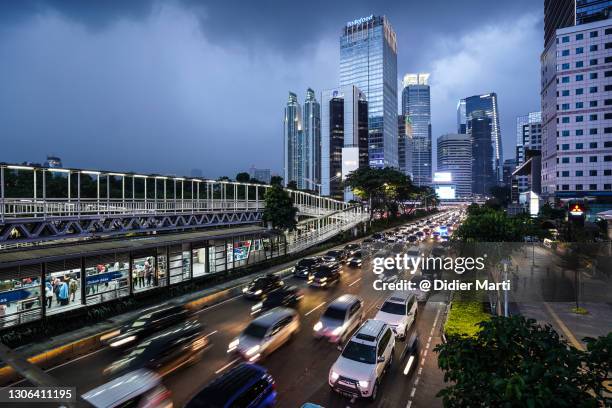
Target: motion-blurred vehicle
x=412 y=238
x=305 y=265
x=365 y=358
x=139 y=388
x=265 y=334
x=410 y=355
x=399 y=311
x=341 y=317
x=166 y=351
x=262 y=285
x=145 y=325
x=338 y=254
x=244 y=386
x=421 y=295
x=285 y=297
x=324 y=276
x=349 y=249
x=378 y=236
x=355 y=260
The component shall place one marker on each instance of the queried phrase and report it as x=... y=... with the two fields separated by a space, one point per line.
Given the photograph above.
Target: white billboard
x=442 y=177
x=447 y=192
x=350 y=160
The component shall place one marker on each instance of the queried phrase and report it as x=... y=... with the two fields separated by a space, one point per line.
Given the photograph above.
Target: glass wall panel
x=107 y=278
x=199 y=259
x=160 y=277
x=20 y=295
x=143 y=273
x=180 y=263
x=63 y=282
x=217 y=256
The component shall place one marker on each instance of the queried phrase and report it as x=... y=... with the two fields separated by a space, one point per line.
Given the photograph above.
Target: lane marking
x=409 y=404
x=314 y=309
x=412 y=392
x=234 y=361
x=354 y=282
x=212 y=332
x=218 y=304
x=566 y=331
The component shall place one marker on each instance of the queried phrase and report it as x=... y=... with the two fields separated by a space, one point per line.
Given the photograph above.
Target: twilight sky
x=167 y=86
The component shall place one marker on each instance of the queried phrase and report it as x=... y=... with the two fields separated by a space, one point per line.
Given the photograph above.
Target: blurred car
x=285 y=297
x=355 y=260
x=338 y=254
x=412 y=238
x=367 y=241
x=262 y=285
x=145 y=325
x=244 y=386
x=421 y=295
x=305 y=265
x=164 y=352
x=411 y=354
x=351 y=248
x=378 y=236
x=324 y=275
x=139 y=388
x=341 y=317
x=399 y=311
x=420 y=235
x=265 y=334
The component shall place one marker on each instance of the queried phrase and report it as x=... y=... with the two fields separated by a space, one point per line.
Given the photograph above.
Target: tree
x=243 y=177
x=292 y=185
x=279 y=210
x=502 y=194
x=276 y=181
x=514 y=362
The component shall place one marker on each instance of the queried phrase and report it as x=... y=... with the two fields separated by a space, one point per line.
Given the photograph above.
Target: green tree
x=279 y=210
x=276 y=181
x=292 y=185
x=502 y=194
x=514 y=362
x=243 y=177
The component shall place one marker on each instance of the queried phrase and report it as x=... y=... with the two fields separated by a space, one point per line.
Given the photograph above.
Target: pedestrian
x=141 y=276
x=63 y=294
x=148 y=272
x=48 y=294
x=2 y=314
x=73 y=286
x=56 y=288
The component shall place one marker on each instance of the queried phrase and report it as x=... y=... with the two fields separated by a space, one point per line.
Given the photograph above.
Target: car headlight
x=323 y=279
x=244 y=290
x=364 y=384
x=233 y=345
x=123 y=341
x=318 y=326
x=110 y=335
x=258 y=292
x=257 y=307
x=334 y=376
x=252 y=350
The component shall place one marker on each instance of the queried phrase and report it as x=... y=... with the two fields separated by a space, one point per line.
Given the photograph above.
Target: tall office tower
x=509 y=167
x=528 y=139
x=455 y=157
x=404 y=144
x=344 y=137
x=416 y=105
x=483 y=169
x=312 y=141
x=577 y=111
x=487 y=105
x=292 y=141
x=558 y=14
x=461 y=119
x=368 y=60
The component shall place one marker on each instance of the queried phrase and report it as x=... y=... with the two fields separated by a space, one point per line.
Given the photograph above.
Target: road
x=300 y=367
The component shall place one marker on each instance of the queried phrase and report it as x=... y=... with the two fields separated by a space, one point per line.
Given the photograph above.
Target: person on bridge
x=148 y=271
x=63 y=293
x=48 y=294
x=73 y=286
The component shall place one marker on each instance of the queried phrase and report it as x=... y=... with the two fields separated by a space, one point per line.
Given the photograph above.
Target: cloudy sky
x=167 y=86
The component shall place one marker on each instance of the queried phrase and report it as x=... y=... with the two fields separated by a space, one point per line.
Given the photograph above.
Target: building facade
x=484 y=104
x=483 y=171
x=455 y=157
x=263 y=175
x=368 y=60
x=293 y=135
x=404 y=145
x=528 y=138
x=344 y=137
x=312 y=141
x=416 y=106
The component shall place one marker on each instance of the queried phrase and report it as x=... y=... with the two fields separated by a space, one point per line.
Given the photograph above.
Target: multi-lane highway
x=300 y=367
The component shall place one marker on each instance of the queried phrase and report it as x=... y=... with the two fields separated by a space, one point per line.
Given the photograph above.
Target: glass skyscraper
x=293 y=133
x=368 y=60
x=416 y=105
x=312 y=141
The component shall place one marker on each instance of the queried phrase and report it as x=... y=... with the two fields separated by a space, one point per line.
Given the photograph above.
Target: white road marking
x=409 y=404
x=234 y=361
x=355 y=282
x=412 y=392
x=416 y=382
x=211 y=333
x=314 y=309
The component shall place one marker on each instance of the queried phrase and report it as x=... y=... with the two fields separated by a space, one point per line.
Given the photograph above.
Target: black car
x=355 y=260
x=305 y=266
x=412 y=238
x=285 y=297
x=378 y=236
x=410 y=355
x=166 y=351
x=145 y=325
x=351 y=248
x=246 y=385
x=261 y=286
x=338 y=254
x=324 y=276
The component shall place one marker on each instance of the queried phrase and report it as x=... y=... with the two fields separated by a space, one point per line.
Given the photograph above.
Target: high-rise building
x=487 y=105
x=589 y=11
x=509 y=167
x=263 y=175
x=293 y=139
x=528 y=138
x=455 y=157
x=368 y=60
x=461 y=117
x=577 y=108
x=558 y=14
x=344 y=137
x=312 y=141
x=404 y=144
x=483 y=172
x=416 y=105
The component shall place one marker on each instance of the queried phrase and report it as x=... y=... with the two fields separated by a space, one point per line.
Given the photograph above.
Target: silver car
x=341 y=317
x=265 y=334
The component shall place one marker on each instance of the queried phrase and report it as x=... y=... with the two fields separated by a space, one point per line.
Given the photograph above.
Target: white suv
x=399 y=311
x=364 y=359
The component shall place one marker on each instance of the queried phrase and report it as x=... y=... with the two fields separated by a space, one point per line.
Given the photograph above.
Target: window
x=578 y=187
x=593 y=47
x=20 y=291
x=593 y=131
x=579 y=118
x=107 y=278
x=565 y=92
x=565 y=160
x=565 y=66
x=579 y=91
x=579 y=50
x=592 y=186
x=565 y=187
x=579 y=132
x=608 y=158
x=593 y=145
x=565 y=119
x=565 y=39
x=579 y=77
x=608 y=130
x=608 y=60
x=144 y=273
x=565 y=80
x=608 y=144
x=593 y=117
x=592 y=173
x=608 y=102
x=579 y=146
x=608 y=172
x=565 y=173
x=565 y=133
x=593 y=89
x=578 y=159
x=608 y=88
x=608 y=74
x=565 y=146
x=608 y=115
x=565 y=106
x=593 y=34
x=579 y=37
x=593 y=61
x=579 y=64
x=592 y=104
x=593 y=75
x=608 y=45
x=607 y=186
x=608 y=31
x=592 y=159
x=579 y=173
x=579 y=105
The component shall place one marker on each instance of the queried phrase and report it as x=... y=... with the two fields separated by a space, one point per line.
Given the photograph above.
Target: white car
x=399 y=311
x=341 y=317
x=364 y=360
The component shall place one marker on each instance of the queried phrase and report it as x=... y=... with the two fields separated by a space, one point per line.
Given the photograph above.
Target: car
x=323 y=276
x=150 y=322
x=265 y=334
x=378 y=236
x=367 y=241
x=355 y=260
x=412 y=238
x=138 y=388
x=246 y=385
x=166 y=351
x=411 y=355
x=421 y=295
x=364 y=360
x=305 y=265
x=285 y=297
x=420 y=234
x=350 y=248
x=399 y=311
x=342 y=316
x=261 y=286
x=338 y=254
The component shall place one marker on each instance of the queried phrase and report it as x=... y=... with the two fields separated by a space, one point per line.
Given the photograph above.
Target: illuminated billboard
x=442 y=177
x=446 y=192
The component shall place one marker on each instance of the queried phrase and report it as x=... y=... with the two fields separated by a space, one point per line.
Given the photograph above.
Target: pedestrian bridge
x=39 y=204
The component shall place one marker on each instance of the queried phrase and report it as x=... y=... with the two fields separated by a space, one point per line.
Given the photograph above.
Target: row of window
x=580 y=173
x=580 y=64
x=580 y=91
x=580 y=132
x=580 y=36
x=580 y=118
x=580 y=146
x=580 y=50
x=580 y=187
x=580 y=77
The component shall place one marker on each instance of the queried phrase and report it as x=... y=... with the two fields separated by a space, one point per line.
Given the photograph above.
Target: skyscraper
x=528 y=138
x=312 y=141
x=404 y=145
x=368 y=60
x=483 y=172
x=487 y=105
x=344 y=137
x=455 y=157
x=416 y=105
x=292 y=141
